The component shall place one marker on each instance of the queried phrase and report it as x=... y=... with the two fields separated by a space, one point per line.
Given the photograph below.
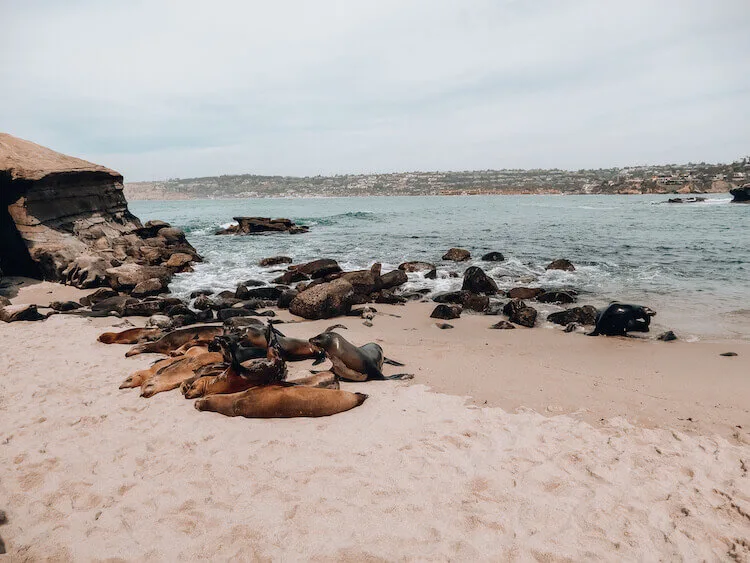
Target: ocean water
x=689 y=262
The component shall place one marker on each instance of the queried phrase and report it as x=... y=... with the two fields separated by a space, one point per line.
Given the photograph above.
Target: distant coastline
x=663 y=179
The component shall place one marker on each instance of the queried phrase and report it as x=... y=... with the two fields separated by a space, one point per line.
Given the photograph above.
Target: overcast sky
x=159 y=89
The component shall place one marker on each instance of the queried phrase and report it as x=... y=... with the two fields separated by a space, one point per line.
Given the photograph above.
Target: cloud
x=165 y=89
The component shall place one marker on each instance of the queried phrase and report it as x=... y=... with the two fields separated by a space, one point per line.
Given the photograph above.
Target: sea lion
x=173 y=340
x=351 y=363
x=172 y=376
x=295 y=349
x=282 y=400
x=324 y=379
x=131 y=336
x=138 y=378
x=619 y=318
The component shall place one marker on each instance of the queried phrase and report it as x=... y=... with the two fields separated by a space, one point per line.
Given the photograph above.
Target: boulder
x=274 y=261
x=13 y=313
x=556 y=297
x=86 y=271
x=99 y=295
x=202 y=303
x=388 y=297
x=443 y=326
x=179 y=309
x=520 y=313
x=267 y=292
x=446 y=312
x=292 y=276
x=318 y=268
x=466 y=299
x=286 y=298
x=457 y=255
x=503 y=325
x=255 y=225
x=741 y=195
x=199 y=292
x=204 y=316
x=668 y=336
x=152 y=286
x=145 y=308
x=477 y=281
x=416 y=267
x=525 y=292
x=493 y=257
x=324 y=301
x=179 y=260
x=364 y=282
x=160 y=321
x=585 y=315
x=392 y=279
x=561 y=264
x=64 y=306
x=127 y=276
x=116 y=304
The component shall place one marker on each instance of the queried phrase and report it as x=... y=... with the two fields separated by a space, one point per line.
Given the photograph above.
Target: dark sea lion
x=294 y=349
x=172 y=376
x=618 y=319
x=173 y=340
x=282 y=401
x=131 y=336
x=351 y=363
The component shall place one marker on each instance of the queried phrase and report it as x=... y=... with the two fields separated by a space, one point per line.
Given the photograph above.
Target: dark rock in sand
x=525 y=292
x=494 y=308
x=477 y=281
x=728 y=354
x=667 y=336
x=286 y=297
x=116 y=304
x=416 y=266
x=13 y=313
x=503 y=325
x=392 y=279
x=99 y=295
x=64 y=306
x=219 y=303
x=561 y=264
x=493 y=257
x=443 y=326
x=324 y=301
x=318 y=268
x=144 y=308
x=585 y=315
x=520 y=313
x=202 y=303
x=274 y=261
x=387 y=296
x=556 y=297
x=457 y=255
x=466 y=299
x=741 y=195
x=226 y=294
x=446 y=312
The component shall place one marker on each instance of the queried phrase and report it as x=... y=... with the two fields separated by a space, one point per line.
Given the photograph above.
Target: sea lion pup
x=282 y=400
x=323 y=379
x=238 y=377
x=619 y=318
x=172 y=376
x=294 y=349
x=351 y=363
x=137 y=378
x=173 y=340
x=131 y=336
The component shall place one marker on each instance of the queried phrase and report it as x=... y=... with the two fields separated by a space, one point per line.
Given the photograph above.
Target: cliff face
x=65 y=219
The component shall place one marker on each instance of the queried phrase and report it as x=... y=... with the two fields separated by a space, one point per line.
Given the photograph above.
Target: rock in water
x=561 y=264
x=525 y=292
x=477 y=281
x=741 y=195
x=254 y=225
x=65 y=219
x=274 y=261
x=457 y=255
x=416 y=267
x=493 y=257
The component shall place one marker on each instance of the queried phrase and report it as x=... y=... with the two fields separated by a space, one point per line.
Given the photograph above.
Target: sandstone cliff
x=66 y=219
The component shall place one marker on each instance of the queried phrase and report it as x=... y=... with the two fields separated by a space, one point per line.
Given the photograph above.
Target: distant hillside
x=666 y=179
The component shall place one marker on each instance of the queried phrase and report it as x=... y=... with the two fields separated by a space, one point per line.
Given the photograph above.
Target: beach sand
x=586 y=449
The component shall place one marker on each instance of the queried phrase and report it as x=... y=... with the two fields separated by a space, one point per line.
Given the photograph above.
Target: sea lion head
x=323 y=341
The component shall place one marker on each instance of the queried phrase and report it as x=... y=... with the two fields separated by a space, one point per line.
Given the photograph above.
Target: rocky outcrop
x=477 y=281
x=66 y=219
x=457 y=255
x=255 y=225
x=741 y=195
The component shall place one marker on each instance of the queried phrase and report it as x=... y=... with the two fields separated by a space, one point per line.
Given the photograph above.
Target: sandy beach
x=526 y=444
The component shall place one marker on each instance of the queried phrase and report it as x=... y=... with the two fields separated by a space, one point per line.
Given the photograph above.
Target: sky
x=162 y=89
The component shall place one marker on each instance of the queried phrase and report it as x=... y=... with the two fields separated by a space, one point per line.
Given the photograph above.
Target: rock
x=570 y=327
x=180 y=309
x=446 y=312
x=668 y=336
x=416 y=267
x=254 y=225
x=225 y=314
x=561 y=264
x=493 y=257
x=394 y=278
x=364 y=282
x=64 y=306
x=728 y=354
x=443 y=326
x=741 y=195
x=202 y=303
x=520 y=313
x=525 y=292
x=99 y=295
x=218 y=303
x=242 y=322
x=204 y=316
x=160 y=321
x=361 y=311
x=253 y=283
x=114 y=304
x=477 y=281
x=184 y=320
x=179 y=260
x=585 y=315
x=387 y=297
x=457 y=255
x=324 y=301
x=129 y=275
x=556 y=297
x=318 y=268
x=286 y=298
x=69 y=220
x=145 y=308
x=13 y=313
x=291 y=276
x=494 y=308
x=431 y=275
x=152 y=286
x=267 y=292
x=274 y=261
x=503 y=325
x=466 y=299
x=686 y=199
x=199 y=292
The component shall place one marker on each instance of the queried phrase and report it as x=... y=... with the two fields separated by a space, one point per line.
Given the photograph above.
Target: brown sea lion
x=351 y=363
x=295 y=349
x=131 y=336
x=172 y=376
x=324 y=379
x=137 y=378
x=176 y=338
x=282 y=400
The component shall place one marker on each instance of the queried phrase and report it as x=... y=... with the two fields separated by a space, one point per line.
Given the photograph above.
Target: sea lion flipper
x=402 y=376
x=392 y=362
